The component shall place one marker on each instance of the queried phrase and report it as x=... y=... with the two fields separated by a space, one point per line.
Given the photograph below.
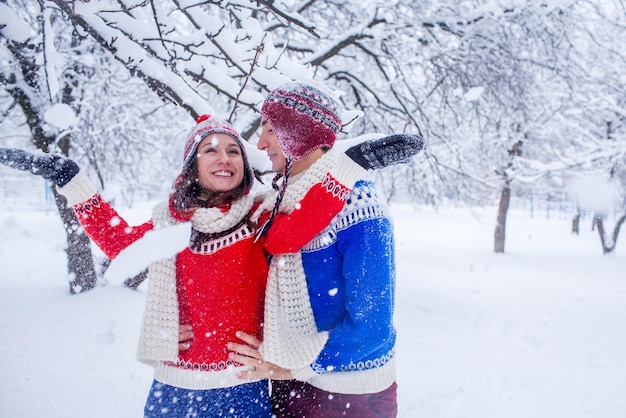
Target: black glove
x=389 y=150
x=56 y=168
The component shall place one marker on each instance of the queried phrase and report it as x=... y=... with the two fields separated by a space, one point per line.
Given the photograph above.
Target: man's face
x=269 y=143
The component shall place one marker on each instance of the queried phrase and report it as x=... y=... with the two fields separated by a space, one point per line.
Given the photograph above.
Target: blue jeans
x=249 y=400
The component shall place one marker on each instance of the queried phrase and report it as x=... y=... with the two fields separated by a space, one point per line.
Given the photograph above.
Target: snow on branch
x=154 y=73
x=11 y=26
x=294 y=18
x=189 y=52
x=347 y=39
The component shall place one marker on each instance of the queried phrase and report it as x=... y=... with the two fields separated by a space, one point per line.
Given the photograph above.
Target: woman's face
x=220 y=163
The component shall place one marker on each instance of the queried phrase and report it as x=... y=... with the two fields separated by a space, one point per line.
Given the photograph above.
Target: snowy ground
x=537 y=332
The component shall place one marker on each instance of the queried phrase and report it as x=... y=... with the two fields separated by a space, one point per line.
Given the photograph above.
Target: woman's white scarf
x=158 y=340
x=290 y=336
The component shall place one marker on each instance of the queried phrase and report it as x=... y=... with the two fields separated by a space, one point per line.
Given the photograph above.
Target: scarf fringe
x=290 y=336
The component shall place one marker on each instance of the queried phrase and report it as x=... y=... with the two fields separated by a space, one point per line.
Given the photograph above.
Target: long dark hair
x=188 y=194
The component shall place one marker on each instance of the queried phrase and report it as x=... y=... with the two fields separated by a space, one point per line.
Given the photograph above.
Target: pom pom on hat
x=304 y=117
x=207 y=125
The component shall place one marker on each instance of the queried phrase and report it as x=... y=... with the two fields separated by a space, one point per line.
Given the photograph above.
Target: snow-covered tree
x=46 y=99
x=503 y=90
x=501 y=80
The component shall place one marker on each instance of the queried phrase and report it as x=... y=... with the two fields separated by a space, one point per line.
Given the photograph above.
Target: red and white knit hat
x=207 y=125
x=304 y=116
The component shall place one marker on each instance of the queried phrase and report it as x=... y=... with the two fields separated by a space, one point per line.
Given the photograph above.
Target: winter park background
x=536 y=332
x=522 y=104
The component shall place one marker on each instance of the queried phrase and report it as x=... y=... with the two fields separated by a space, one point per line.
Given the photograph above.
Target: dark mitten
x=389 y=150
x=56 y=168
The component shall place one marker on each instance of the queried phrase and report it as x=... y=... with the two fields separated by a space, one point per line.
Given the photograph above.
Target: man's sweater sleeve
x=322 y=202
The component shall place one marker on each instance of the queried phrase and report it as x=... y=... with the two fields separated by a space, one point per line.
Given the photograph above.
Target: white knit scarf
x=290 y=336
x=158 y=340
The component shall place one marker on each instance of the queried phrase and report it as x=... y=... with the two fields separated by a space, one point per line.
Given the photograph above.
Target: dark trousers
x=295 y=399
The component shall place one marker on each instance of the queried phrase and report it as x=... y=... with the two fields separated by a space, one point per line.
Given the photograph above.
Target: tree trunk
x=576 y=223
x=134 y=282
x=131 y=282
x=503 y=208
x=616 y=229
x=608 y=246
x=80 y=266
x=598 y=222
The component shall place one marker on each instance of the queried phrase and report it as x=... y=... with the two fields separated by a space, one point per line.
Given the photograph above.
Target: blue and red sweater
x=350 y=270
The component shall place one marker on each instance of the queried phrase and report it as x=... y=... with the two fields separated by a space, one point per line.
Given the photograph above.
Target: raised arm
x=100 y=221
x=322 y=202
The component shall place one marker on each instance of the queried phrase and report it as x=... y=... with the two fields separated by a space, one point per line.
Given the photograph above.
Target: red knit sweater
x=218 y=293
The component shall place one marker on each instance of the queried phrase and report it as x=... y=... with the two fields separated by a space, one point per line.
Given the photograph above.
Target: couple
x=310 y=332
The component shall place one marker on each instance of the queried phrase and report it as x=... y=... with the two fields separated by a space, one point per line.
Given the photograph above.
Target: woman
x=216 y=284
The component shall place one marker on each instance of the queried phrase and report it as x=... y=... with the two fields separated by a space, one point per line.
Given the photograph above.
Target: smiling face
x=220 y=163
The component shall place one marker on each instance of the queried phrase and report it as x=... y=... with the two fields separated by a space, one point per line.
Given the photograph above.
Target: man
x=348 y=269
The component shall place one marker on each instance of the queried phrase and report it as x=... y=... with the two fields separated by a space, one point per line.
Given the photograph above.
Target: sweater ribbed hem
x=303 y=374
x=197 y=379
x=347 y=172
x=79 y=189
x=357 y=382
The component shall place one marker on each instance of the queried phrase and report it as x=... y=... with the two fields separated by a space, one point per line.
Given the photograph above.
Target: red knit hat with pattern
x=207 y=125
x=304 y=117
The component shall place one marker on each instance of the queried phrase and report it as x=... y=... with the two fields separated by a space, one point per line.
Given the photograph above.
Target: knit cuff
x=303 y=374
x=347 y=172
x=78 y=189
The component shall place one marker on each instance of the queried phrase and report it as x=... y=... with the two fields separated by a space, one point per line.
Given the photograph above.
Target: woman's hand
x=248 y=355
x=54 y=167
x=185 y=337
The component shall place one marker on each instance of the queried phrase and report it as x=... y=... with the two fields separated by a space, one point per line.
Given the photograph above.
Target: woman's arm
x=101 y=222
